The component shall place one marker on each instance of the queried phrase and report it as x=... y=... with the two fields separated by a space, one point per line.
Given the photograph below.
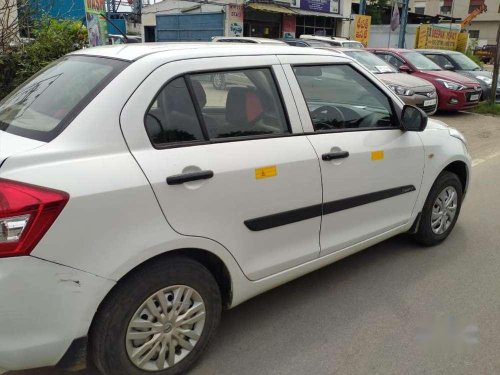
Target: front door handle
x=335 y=155
x=187 y=177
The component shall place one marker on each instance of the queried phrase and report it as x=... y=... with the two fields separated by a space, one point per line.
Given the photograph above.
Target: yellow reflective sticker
x=377 y=155
x=266 y=172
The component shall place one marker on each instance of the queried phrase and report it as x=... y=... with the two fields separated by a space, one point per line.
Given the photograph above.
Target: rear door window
x=44 y=105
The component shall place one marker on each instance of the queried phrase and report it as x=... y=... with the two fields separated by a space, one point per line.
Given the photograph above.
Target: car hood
x=452 y=76
x=434 y=124
x=11 y=144
x=479 y=73
x=404 y=79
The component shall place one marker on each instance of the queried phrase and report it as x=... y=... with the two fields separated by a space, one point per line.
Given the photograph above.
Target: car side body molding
x=309 y=212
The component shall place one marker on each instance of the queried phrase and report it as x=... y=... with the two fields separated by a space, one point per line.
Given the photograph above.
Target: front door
x=218 y=152
x=371 y=170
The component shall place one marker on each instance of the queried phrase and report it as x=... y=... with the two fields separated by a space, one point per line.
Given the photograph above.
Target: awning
x=303 y=12
x=270 y=7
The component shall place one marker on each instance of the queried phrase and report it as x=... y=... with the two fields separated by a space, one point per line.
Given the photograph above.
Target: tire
x=111 y=347
x=219 y=81
x=429 y=230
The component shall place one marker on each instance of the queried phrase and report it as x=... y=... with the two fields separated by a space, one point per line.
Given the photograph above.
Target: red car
x=455 y=92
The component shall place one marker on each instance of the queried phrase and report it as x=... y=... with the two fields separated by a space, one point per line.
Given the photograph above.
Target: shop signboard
x=362 y=29
x=437 y=38
x=96 y=24
x=289 y=26
x=234 y=20
x=323 y=6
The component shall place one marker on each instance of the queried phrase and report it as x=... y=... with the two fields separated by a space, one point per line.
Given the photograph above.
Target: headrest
x=243 y=106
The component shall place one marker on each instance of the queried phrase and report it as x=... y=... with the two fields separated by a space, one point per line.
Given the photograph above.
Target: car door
x=223 y=161
x=371 y=169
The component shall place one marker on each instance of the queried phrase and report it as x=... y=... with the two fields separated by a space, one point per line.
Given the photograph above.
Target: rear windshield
x=44 y=105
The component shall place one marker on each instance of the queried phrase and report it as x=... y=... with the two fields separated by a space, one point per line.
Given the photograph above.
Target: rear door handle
x=335 y=155
x=187 y=177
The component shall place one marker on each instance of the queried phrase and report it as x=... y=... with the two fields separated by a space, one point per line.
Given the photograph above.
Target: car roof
x=395 y=50
x=439 y=51
x=249 y=38
x=135 y=51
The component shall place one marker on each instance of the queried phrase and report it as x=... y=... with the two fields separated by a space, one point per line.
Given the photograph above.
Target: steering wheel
x=330 y=114
x=157 y=120
x=369 y=121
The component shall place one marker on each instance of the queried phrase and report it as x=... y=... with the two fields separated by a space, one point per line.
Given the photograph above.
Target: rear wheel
x=158 y=321
x=441 y=210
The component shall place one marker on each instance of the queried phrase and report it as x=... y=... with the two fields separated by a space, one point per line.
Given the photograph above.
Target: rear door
x=371 y=169
x=222 y=159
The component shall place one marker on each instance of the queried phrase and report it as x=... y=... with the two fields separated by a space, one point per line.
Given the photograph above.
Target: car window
x=441 y=60
x=372 y=62
x=239 y=103
x=172 y=117
x=42 y=106
x=339 y=97
x=420 y=62
x=391 y=59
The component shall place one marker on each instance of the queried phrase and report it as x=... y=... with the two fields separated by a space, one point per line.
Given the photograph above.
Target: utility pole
x=402 y=26
x=494 y=84
x=362 y=6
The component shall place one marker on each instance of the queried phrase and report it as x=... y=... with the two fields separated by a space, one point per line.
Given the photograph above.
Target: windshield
x=352 y=45
x=420 y=61
x=41 y=108
x=373 y=63
x=464 y=62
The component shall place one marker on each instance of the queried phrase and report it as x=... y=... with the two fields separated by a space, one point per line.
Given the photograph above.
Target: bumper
x=420 y=101
x=452 y=100
x=44 y=307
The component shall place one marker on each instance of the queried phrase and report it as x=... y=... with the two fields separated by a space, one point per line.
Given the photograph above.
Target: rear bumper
x=44 y=308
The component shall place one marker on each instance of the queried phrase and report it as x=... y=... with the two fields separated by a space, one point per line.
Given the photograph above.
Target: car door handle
x=187 y=177
x=335 y=155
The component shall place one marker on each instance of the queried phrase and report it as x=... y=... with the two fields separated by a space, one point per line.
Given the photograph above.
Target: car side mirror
x=405 y=69
x=449 y=67
x=413 y=119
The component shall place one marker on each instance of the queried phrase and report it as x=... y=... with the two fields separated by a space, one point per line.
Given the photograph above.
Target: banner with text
x=362 y=29
x=429 y=36
x=234 y=20
x=323 y=6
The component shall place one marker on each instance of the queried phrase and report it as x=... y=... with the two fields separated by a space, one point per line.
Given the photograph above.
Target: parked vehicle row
x=137 y=201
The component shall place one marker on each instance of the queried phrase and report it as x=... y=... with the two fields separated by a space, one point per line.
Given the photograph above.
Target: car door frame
x=395 y=102
x=139 y=142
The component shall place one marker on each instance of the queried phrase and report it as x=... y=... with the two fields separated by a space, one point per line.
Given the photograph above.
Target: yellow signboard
x=432 y=37
x=362 y=29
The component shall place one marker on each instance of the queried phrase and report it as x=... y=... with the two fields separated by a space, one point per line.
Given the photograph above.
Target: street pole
x=362 y=6
x=494 y=84
x=402 y=26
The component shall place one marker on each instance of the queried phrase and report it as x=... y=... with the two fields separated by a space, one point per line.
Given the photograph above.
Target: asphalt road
x=395 y=308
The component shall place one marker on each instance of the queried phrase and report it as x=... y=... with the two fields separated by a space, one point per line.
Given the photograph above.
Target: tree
x=374 y=8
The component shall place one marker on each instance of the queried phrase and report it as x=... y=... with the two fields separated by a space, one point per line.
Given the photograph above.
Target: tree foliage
x=374 y=8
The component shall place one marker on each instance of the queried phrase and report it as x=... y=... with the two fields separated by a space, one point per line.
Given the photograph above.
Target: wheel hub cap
x=165 y=328
x=444 y=210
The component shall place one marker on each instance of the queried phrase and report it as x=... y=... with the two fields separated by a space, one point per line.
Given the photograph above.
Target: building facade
x=483 y=28
x=172 y=20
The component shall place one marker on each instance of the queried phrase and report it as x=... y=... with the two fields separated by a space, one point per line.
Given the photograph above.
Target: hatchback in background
x=455 y=92
x=305 y=42
x=462 y=64
x=412 y=90
x=334 y=41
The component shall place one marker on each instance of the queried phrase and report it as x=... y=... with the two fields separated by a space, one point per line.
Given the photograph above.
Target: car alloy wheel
x=444 y=210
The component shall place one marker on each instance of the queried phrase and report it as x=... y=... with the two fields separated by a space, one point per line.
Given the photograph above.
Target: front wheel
x=441 y=210
x=157 y=321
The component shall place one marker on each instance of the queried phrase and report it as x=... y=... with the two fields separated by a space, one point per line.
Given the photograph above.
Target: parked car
x=120 y=39
x=455 y=92
x=305 y=42
x=137 y=201
x=412 y=90
x=246 y=39
x=460 y=63
x=334 y=41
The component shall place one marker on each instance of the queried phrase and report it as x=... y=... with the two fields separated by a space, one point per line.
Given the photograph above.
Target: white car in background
x=334 y=41
x=137 y=201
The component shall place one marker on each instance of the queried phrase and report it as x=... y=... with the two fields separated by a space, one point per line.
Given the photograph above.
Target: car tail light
x=26 y=213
